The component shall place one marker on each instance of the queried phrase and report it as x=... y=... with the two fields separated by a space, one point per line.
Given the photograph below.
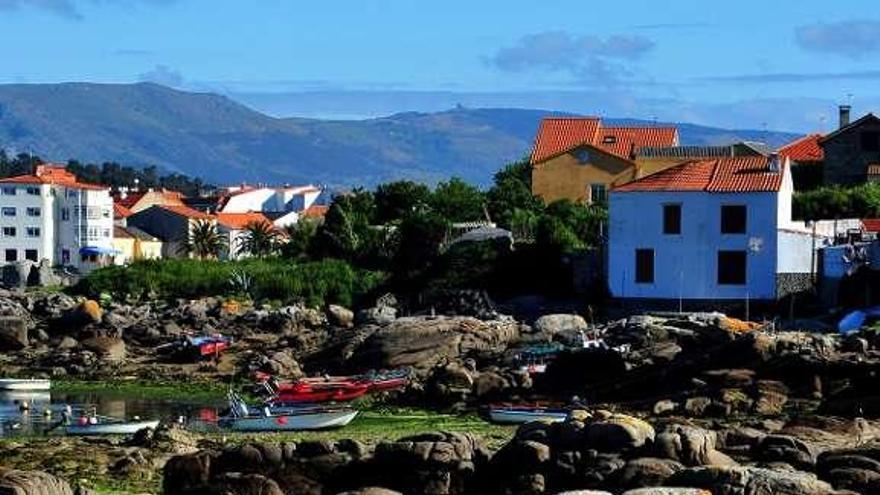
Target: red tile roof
x=735 y=174
x=557 y=135
x=120 y=211
x=805 y=149
x=186 y=211
x=871 y=224
x=52 y=174
x=239 y=221
x=315 y=211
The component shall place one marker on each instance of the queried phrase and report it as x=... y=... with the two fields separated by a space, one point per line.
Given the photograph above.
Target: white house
x=50 y=215
x=284 y=205
x=716 y=229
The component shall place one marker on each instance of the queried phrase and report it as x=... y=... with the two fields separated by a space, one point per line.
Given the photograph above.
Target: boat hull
x=126 y=428
x=519 y=416
x=24 y=384
x=319 y=420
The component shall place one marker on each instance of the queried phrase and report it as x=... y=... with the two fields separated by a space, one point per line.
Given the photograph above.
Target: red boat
x=303 y=392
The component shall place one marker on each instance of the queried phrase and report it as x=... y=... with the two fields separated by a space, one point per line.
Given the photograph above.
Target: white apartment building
x=50 y=215
x=284 y=205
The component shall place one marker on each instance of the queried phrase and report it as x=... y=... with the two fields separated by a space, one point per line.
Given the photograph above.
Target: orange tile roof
x=120 y=211
x=805 y=149
x=315 y=211
x=628 y=139
x=52 y=174
x=734 y=174
x=871 y=224
x=557 y=135
x=186 y=211
x=239 y=221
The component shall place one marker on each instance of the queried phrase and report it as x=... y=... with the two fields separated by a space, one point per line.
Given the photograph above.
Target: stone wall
x=845 y=161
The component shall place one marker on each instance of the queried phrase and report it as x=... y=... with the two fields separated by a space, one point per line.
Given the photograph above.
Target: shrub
x=315 y=283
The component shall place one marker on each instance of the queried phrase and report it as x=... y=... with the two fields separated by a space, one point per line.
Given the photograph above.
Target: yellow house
x=134 y=244
x=579 y=159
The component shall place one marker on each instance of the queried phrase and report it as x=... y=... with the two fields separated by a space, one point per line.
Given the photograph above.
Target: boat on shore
x=333 y=388
x=526 y=414
x=284 y=418
x=24 y=384
x=108 y=427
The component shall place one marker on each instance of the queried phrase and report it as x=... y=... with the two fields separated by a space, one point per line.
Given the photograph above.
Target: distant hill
x=220 y=140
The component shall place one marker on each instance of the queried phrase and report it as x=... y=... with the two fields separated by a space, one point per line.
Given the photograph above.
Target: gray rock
x=618 y=432
x=13 y=333
x=662 y=407
x=378 y=315
x=689 y=445
x=647 y=471
x=556 y=323
x=32 y=483
x=110 y=349
x=740 y=480
x=67 y=343
x=666 y=491
x=340 y=316
x=782 y=448
x=43 y=275
x=16 y=274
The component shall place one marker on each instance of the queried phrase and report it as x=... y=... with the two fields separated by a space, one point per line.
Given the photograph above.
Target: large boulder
x=856 y=469
x=242 y=484
x=340 y=316
x=647 y=471
x=13 y=333
x=740 y=480
x=32 y=483
x=551 y=325
x=661 y=490
x=43 y=275
x=377 y=315
x=790 y=450
x=110 y=349
x=617 y=432
x=16 y=274
x=690 y=445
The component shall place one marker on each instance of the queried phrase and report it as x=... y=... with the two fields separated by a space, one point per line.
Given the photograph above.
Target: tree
x=395 y=200
x=259 y=239
x=457 y=201
x=587 y=222
x=346 y=232
x=300 y=238
x=204 y=241
x=420 y=237
x=510 y=200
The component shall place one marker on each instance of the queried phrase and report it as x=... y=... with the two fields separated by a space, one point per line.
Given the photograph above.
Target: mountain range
x=222 y=141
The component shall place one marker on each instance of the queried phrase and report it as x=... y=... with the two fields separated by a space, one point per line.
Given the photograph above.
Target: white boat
x=519 y=415
x=268 y=418
x=24 y=384
x=110 y=428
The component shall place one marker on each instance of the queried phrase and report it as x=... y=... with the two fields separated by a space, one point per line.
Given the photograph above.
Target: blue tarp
x=98 y=250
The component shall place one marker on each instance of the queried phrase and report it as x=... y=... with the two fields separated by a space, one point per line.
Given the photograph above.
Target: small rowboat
x=270 y=418
x=24 y=384
x=523 y=414
x=313 y=393
x=109 y=428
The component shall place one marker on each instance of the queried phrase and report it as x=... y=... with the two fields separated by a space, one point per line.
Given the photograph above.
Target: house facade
x=852 y=152
x=807 y=161
x=284 y=205
x=716 y=229
x=133 y=244
x=170 y=224
x=136 y=201
x=580 y=159
x=233 y=227
x=52 y=216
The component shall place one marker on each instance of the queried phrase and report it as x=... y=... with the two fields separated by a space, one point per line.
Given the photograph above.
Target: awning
x=95 y=250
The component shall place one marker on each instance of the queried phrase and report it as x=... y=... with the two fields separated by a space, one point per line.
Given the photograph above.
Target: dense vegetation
x=315 y=283
x=862 y=201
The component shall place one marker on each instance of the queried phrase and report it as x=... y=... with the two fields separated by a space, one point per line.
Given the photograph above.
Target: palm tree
x=259 y=239
x=204 y=240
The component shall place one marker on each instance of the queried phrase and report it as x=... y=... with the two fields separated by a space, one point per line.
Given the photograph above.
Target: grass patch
x=144 y=389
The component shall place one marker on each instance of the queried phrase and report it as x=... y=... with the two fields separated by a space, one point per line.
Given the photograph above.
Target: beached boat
x=317 y=393
x=111 y=427
x=24 y=384
x=284 y=418
x=526 y=414
x=197 y=347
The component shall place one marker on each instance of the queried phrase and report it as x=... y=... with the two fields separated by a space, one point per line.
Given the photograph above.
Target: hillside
x=216 y=138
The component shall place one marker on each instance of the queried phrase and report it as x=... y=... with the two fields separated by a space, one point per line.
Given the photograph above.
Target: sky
x=781 y=64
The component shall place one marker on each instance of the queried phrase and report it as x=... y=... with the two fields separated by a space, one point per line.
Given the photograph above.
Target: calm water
x=34 y=421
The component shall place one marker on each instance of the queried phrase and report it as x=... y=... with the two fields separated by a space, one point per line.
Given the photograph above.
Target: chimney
x=844 y=115
x=773 y=164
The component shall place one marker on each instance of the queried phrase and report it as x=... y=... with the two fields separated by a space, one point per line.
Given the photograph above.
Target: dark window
x=11 y=255
x=30 y=254
x=65 y=256
x=609 y=139
x=598 y=193
x=871 y=141
x=672 y=219
x=733 y=219
x=731 y=267
x=644 y=266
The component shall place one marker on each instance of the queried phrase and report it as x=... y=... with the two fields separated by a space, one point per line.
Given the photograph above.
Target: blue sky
x=781 y=64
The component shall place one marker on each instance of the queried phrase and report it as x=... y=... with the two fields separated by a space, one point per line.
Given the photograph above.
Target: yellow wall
x=125 y=245
x=648 y=166
x=565 y=177
x=148 y=250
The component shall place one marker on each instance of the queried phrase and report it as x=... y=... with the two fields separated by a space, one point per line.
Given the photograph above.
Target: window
x=65 y=256
x=33 y=211
x=106 y=233
x=609 y=139
x=8 y=190
x=31 y=254
x=672 y=219
x=582 y=155
x=32 y=232
x=11 y=255
x=65 y=214
x=8 y=211
x=733 y=219
x=71 y=193
x=731 y=267
x=598 y=193
x=105 y=212
x=644 y=266
x=8 y=231
x=32 y=190
x=870 y=141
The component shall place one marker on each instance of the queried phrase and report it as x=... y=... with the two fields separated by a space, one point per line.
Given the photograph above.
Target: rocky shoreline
x=690 y=402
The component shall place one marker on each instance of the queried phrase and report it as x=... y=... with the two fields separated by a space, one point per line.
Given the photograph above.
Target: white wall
x=686 y=265
x=21 y=201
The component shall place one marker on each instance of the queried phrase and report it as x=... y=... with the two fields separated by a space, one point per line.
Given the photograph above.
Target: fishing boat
x=22 y=384
x=272 y=418
x=106 y=426
x=526 y=414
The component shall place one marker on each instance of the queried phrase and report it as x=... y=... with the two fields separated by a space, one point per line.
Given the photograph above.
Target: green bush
x=315 y=283
x=832 y=202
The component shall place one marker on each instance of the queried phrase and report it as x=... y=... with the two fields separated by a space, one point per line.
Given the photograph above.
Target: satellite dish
x=756 y=244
